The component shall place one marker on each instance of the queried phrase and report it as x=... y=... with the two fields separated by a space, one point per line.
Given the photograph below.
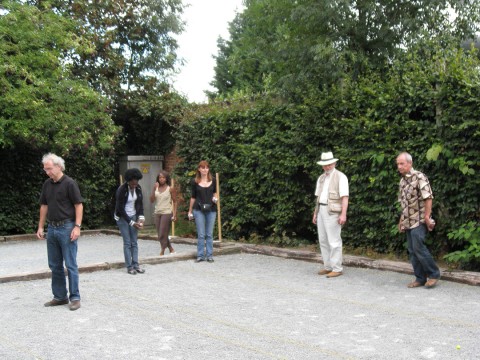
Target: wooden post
x=219 y=216
x=173 y=222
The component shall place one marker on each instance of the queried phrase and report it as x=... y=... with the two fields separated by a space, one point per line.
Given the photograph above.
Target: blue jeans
x=422 y=261
x=60 y=249
x=130 y=243
x=205 y=223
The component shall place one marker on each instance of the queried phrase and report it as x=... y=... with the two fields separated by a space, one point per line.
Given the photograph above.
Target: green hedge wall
x=266 y=152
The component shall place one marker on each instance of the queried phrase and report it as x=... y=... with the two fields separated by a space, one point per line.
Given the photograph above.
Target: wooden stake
x=173 y=222
x=217 y=176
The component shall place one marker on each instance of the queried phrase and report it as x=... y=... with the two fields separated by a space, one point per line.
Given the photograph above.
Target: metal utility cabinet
x=149 y=165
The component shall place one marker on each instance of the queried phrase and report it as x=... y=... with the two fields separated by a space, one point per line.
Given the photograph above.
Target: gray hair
x=407 y=156
x=55 y=159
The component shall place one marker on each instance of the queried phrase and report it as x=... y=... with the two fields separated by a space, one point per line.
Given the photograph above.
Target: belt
x=59 y=223
x=321 y=204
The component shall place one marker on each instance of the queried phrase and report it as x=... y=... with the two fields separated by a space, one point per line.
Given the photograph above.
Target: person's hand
x=75 y=233
x=342 y=219
x=214 y=199
x=400 y=228
x=190 y=216
x=40 y=234
x=156 y=185
x=430 y=223
x=174 y=218
x=314 y=219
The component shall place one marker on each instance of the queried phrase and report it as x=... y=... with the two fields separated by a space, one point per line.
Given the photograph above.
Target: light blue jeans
x=60 y=249
x=204 y=223
x=130 y=243
x=422 y=261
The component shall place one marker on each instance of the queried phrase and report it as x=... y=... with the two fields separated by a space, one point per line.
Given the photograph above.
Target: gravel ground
x=241 y=306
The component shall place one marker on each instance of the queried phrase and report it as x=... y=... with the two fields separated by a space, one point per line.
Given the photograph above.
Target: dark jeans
x=130 y=243
x=422 y=261
x=60 y=249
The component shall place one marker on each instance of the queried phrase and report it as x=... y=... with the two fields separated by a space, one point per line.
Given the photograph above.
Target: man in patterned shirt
x=415 y=197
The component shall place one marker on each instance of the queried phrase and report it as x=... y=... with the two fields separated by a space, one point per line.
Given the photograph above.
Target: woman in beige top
x=165 y=212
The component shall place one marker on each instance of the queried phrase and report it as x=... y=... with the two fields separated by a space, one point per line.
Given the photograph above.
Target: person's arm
x=173 y=195
x=315 y=211
x=152 y=195
x=342 y=219
x=41 y=221
x=78 y=221
x=428 y=213
x=192 y=200
x=139 y=208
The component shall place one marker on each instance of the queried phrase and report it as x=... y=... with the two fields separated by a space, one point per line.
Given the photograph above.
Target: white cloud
x=206 y=21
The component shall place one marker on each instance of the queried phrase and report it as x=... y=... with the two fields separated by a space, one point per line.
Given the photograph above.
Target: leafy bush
x=266 y=151
x=469 y=258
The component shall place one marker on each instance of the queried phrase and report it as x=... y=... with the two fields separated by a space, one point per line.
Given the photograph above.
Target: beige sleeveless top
x=163 y=202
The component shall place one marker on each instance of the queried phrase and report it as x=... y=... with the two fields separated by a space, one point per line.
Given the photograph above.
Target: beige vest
x=334 y=202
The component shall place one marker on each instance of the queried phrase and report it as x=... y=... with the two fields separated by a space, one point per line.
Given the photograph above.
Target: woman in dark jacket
x=130 y=218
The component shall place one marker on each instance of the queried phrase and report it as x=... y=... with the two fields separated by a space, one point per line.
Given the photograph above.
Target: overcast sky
x=206 y=21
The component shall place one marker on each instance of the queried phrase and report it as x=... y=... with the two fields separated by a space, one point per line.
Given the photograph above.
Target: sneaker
x=210 y=259
x=55 y=302
x=75 y=305
x=199 y=260
x=132 y=271
x=140 y=271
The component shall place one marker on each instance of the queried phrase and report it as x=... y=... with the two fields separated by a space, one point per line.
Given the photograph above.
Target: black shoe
x=199 y=260
x=140 y=271
x=210 y=259
x=55 y=302
x=132 y=271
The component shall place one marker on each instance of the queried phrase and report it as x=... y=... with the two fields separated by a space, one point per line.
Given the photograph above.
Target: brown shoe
x=75 y=305
x=415 y=284
x=431 y=283
x=55 y=302
x=334 y=274
x=324 y=272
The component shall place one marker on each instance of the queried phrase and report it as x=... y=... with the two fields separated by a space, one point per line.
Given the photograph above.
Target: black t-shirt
x=203 y=195
x=60 y=197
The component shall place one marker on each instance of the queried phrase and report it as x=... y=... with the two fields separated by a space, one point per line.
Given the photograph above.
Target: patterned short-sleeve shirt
x=414 y=189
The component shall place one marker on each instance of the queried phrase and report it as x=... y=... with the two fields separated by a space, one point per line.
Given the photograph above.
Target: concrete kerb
x=230 y=247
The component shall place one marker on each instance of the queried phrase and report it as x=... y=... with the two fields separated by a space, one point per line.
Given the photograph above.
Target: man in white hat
x=330 y=214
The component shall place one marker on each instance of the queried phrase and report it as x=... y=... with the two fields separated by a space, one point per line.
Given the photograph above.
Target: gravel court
x=27 y=256
x=242 y=307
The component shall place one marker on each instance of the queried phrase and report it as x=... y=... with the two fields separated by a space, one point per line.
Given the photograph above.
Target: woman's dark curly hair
x=133 y=174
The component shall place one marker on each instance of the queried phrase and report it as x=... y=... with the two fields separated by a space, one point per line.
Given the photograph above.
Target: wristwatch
x=78 y=225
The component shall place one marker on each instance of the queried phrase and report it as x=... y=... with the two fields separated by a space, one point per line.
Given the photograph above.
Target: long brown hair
x=198 y=175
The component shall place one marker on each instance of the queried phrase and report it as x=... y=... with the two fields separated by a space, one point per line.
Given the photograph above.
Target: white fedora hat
x=327 y=159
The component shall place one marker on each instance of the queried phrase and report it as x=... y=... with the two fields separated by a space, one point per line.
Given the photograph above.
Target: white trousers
x=329 y=238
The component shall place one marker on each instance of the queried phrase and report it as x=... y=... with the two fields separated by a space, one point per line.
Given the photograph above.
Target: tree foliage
x=426 y=104
x=295 y=47
x=43 y=108
x=130 y=40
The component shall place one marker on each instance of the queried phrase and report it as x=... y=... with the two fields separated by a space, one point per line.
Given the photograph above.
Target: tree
x=43 y=108
x=131 y=40
x=40 y=101
x=310 y=44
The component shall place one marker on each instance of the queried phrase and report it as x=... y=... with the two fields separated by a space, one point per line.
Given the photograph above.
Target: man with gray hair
x=416 y=197
x=62 y=206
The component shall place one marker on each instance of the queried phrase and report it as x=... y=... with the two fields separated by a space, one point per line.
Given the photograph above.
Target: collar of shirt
x=410 y=173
